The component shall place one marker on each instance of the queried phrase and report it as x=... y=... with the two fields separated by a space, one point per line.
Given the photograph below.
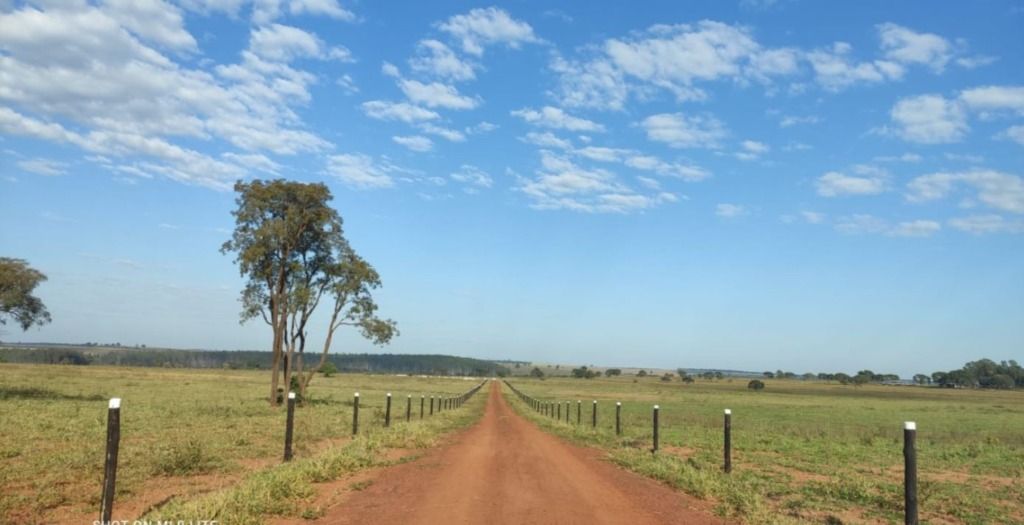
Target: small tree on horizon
x=17 y=282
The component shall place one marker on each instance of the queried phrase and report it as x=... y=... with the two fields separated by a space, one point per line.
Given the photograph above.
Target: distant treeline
x=984 y=373
x=244 y=359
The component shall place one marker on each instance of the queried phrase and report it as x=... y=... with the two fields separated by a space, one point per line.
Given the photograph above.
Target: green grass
x=808 y=452
x=180 y=423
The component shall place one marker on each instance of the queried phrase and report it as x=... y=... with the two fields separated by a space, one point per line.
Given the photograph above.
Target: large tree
x=17 y=282
x=290 y=247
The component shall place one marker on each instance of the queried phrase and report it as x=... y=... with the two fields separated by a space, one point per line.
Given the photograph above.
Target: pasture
x=191 y=434
x=808 y=452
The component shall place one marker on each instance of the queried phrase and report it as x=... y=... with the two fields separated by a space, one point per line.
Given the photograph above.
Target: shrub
x=329 y=369
x=756 y=384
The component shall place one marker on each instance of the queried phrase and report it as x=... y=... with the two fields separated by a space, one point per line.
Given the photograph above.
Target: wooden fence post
x=408 y=408
x=618 y=418
x=910 y=473
x=110 y=462
x=579 y=410
x=288 y=427
x=355 y=414
x=423 y=400
x=593 y=415
x=728 y=442
x=431 y=405
x=655 y=422
x=387 y=412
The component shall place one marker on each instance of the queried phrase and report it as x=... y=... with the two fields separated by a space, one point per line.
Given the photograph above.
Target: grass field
x=186 y=432
x=810 y=452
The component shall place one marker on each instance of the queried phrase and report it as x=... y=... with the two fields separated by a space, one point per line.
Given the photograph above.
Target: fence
x=114 y=433
x=553 y=409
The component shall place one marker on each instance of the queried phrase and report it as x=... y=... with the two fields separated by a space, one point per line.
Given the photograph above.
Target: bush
x=328 y=369
x=182 y=459
x=756 y=384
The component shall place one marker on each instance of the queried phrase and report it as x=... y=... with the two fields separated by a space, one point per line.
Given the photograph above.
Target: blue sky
x=756 y=184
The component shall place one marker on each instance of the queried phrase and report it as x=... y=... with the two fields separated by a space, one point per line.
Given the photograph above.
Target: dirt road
x=506 y=470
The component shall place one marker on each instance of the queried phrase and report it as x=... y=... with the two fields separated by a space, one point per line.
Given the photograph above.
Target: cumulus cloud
x=834 y=70
x=94 y=77
x=552 y=117
x=473 y=176
x=866 y=181
x=401 y=111
x=906 y=46
x=487 y=26
x=361 y=171
x=860 y=224
x=45 y=167
x=436 y=94
x=435 y=59
x=994 y=99
x=986 y=224
x=560 y=183
x=283 y=43
x=730 y=211
x=414 y=142
x=682 y=131
x=1002 y=191
x=929 y=119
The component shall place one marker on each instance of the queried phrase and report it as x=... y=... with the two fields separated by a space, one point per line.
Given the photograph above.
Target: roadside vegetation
x=808 y=451
x=185 y=432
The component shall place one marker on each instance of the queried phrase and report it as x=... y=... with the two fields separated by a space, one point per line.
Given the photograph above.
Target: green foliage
x=612 y=372
x=667 y=377
x=329 y=369
x=537 y=372
x=584 y=373
x=756 y=385
x=984 y=373
x=642 y=373
x=17 y=282
x=182 y=459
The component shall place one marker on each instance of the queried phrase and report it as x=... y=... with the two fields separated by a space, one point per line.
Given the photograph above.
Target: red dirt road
x=506 y=470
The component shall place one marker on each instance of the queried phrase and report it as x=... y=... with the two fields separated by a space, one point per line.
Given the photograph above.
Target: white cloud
x=451 y=135
x=552 y=117
x=254 y=161
x=347 y=84
x=674 y=58
x=681 y=131
x=906 y=46
x=929 y=119
x=1015 y=133
x=994 y=99
x=834 y=71
x=859 y=224
x=472 y=175
x=44 y=167
x=730 y=211
x=401 y=111
x=265 y=11
x=752 y=149
x=415 y=142
x=546 y=140
x=436 y=94
x=156 y=21
x=906 y=157
x=80 y=75
x=438 y=60
x=562 y=184
x=281 y=43
x=984 y=224
x=487 y=26
x=836 y=184
x=329 y=8
x=1002 y=191
x=792 y=120
x=812 y=217
x=361 y=171
x=918 y=228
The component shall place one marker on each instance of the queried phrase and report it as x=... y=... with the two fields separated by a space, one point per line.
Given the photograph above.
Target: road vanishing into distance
x=505 y=470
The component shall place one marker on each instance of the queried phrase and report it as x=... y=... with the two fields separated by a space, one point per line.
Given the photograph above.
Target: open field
x=810 y=452
x=186 y=432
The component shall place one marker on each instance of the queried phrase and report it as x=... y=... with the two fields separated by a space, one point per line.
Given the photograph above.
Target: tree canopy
x=17 y=282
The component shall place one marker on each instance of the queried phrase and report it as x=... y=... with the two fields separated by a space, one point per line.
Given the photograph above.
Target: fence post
x=110 y=463
x=431 y=405
x=559 y=410
x=408 y=408
x=593 y=415
x=387 y=412
x=422 y=401
x=728 y=441
x=288 y=427
x=355 y=414
x=579 y=410
x=655 y=448
x=567 y=405
x=618 y=418
x=910 y=473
